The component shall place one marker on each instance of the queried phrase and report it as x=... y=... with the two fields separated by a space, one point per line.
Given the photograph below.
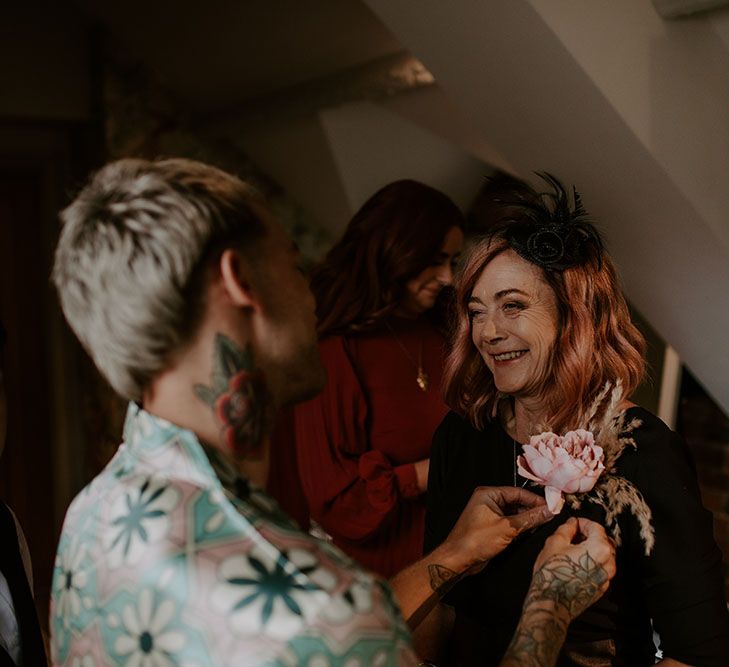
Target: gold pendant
x=422 y=379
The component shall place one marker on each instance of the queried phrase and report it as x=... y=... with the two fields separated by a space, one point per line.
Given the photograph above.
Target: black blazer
x=11 y=565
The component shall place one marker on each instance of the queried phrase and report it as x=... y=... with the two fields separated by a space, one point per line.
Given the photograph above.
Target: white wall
x=669 y=82
x=544 y=89
x=331 y=162
x=373 y=147
x=431 y=108
x=296 y=153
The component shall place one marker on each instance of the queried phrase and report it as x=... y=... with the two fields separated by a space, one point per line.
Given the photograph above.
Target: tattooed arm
x=492 y=518
x=567 y=579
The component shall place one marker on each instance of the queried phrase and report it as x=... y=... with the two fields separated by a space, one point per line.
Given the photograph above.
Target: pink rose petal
x=554 y=499
x=568 y=464
x=525 y=472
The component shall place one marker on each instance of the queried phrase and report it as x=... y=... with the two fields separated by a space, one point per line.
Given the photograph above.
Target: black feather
x=551 y=228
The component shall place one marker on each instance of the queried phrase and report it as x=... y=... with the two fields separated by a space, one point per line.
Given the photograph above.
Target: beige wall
x=630 y=108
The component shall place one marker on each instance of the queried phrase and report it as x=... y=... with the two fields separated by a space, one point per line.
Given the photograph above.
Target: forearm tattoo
x=442 y=579
x=239 y=398
x=561 y=590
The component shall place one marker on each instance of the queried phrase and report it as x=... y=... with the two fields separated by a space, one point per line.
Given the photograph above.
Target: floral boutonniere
x=580 y=466
x=570 y=463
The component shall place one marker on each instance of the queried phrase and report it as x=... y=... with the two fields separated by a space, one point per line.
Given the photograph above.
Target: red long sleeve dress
x=357 y=442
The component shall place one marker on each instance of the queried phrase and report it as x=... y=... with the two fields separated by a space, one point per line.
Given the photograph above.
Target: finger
x=529 y=518
x=595 y=533
x=494 y=497
x=590 y=529
x=567 y=531
x=599 y=545
x=528 y=499
x=510 y=495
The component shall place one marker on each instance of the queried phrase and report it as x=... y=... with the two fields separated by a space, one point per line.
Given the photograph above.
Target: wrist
x=451 y=556
x=541 y=631
x=538 y=604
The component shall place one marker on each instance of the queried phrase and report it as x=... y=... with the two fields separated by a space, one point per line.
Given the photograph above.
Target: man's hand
x=493 y=517
x=575 y=566
x=571 y=572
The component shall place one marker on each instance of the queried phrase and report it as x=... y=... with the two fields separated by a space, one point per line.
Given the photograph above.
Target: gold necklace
x=422 y=379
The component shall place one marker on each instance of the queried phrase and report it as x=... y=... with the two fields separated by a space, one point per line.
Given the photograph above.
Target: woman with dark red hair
x=363 y=444
x=544 y=361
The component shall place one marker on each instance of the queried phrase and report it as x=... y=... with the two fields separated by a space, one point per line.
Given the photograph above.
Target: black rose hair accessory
x=553 y=230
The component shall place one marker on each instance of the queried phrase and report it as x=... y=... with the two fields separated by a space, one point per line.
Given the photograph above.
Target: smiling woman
x=514 y=322
x=543 y=328
x=363 y=444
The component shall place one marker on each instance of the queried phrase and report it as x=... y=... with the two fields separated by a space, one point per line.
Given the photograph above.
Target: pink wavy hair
x=596 y=342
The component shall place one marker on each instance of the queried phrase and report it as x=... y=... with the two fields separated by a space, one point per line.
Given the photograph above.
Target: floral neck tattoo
x=239 y=399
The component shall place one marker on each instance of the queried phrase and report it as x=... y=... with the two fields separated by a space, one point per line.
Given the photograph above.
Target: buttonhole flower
x=568 y=464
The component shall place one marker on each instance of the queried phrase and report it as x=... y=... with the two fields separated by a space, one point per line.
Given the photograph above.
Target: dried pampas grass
x=615 y=494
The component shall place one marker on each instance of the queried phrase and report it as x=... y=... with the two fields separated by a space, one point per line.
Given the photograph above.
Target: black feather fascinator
x=552 y=229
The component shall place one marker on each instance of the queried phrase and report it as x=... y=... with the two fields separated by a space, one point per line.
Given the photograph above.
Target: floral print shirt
x=169 y=558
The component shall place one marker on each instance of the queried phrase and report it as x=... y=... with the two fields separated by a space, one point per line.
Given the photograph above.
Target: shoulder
x=650 y=425
x=331 y=346
x=660 y=463
x=338 y=351
x=452 y=427
x=14 y=524
x=653 y=438
x=457 y=426
x=329 y=594
x=339 y=358
x=455 y=434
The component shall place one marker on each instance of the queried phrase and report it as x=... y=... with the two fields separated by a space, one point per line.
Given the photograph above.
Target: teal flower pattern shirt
x=170 y=558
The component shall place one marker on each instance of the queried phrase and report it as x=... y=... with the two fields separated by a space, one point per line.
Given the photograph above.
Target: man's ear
x=237 y=279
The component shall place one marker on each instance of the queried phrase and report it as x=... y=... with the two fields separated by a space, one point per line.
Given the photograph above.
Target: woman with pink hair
x=544 y=361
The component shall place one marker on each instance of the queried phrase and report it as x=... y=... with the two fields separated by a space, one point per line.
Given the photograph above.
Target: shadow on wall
x=706 y=429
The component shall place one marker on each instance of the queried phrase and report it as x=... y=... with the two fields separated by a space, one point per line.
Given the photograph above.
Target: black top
x=679 y=586
x=11 y=564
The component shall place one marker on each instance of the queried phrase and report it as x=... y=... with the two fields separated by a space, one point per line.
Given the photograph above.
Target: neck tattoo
x=422 y=379
x=239 y=399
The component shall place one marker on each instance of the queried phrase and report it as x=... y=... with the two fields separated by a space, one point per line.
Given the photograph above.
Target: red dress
x=358 y=440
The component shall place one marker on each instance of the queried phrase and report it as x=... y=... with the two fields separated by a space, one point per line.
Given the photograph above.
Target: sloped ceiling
x=629 y=107
x=219 y=54
x=543 y=105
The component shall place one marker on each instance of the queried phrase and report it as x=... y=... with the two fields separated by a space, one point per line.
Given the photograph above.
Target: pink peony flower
x=567 y=464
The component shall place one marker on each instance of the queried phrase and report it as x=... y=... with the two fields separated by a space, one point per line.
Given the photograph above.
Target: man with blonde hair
x=187 y=294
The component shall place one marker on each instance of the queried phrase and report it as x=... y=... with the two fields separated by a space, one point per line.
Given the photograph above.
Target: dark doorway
x=26 y=476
